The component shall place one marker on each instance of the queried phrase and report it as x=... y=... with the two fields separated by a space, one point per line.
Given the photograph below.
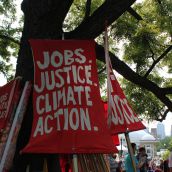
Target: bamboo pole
x=130 y=151
x=45 y=168
x=18 y=115
x=75 y=163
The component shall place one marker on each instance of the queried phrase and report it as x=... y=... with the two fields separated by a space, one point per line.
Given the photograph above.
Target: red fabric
x=121 y=117
x=68 y=114
x=66 y=162
x=8 y=99
x=114 y=137
x=115 y=140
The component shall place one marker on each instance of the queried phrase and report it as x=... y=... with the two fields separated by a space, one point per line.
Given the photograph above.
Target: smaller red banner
x=121 y=117
x=8 y=99
x=114 y=137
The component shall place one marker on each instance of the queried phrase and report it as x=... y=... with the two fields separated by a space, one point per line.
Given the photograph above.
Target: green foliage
x=9 y=32
x=143 y=102
x=77 y=13
x=144 y=42
x=101 y=72
x=165 y=155
x=166 y=143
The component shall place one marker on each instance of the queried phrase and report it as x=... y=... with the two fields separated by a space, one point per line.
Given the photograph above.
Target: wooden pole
x=75 y=163
x=106 y=49
x=18 y=116
x=121 y=147
x=130 y=150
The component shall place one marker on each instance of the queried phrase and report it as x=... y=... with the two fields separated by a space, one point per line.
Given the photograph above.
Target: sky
x=167 y=124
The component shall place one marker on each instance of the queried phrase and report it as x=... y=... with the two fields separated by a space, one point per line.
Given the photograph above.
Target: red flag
x=121 y=117
x=68 y=112
x=114 y=137
x=9 y=96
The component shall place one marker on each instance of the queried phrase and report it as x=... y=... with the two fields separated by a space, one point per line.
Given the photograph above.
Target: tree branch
x=132 y=76
x=10 y=39
x=162 y=117
x=134 y=13
x=87 y=9
x=167 y=90
x=41 y=15
x=158 y=60
x=94 y=25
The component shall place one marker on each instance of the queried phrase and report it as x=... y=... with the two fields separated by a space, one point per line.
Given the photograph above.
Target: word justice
x=58 y=78
x=65 y=119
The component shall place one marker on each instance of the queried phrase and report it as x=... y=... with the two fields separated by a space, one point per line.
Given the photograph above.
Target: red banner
x=114 y=137
x=121 y=117
x=68 y=111
x=8 y=99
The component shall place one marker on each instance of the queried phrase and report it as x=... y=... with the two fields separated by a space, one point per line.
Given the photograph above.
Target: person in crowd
x=161 y=164
x=120 y=167
x=156 y=167
x=128 y=161
x=142 y=157
x=170 y=161
x=166 y=168
x=113 y=163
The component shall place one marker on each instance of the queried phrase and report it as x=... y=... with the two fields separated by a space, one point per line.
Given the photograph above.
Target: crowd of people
x=141 y=161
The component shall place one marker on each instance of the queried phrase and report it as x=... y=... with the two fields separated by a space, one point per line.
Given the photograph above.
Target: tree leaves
x=147 y=49
x=8 y=43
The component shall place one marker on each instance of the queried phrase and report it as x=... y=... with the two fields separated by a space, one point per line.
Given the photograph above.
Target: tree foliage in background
x=147 y=44
x=9 y=37
x=147 y=49
x=165 y=143
x=165 y=155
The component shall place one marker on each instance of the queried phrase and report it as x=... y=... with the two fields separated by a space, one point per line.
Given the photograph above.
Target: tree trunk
x=42 y=20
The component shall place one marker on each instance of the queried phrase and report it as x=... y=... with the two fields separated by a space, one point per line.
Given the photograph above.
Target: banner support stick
x=130 y=150
x=19 y=113
x=75 y=163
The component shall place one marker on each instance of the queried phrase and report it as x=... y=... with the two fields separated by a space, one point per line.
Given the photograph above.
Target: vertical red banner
x=9 y=97
x=68 y=111
x=121 y=117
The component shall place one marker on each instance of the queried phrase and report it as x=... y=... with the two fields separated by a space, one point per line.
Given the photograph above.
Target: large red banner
x=68 y=111
x=121 y=117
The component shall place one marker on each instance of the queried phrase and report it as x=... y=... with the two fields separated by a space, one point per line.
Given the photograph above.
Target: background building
x=142 y=139
x=153 y=132
x=160 y=131
x=149 y=142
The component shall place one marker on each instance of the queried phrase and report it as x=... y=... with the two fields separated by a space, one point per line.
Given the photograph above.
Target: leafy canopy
x=9 y=35
x=146 y=46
